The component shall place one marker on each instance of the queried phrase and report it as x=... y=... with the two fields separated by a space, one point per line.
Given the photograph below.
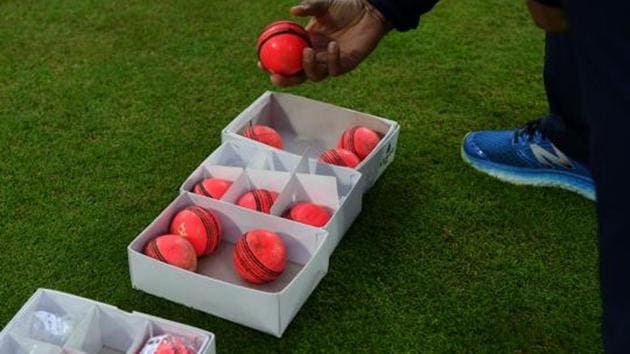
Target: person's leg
x=566 y=126
x=602 y=39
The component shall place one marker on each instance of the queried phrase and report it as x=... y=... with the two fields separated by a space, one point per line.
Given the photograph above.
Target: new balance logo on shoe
x=551 y=159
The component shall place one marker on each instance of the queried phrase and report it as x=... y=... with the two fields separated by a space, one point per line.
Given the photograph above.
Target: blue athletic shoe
x=525 y=156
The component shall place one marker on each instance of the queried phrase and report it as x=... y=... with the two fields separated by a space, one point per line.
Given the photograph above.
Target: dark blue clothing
x=600 y=32
x=587 y=79
x=566 y=125
x=404 y=15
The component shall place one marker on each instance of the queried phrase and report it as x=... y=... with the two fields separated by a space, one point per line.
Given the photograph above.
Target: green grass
x=107 y=106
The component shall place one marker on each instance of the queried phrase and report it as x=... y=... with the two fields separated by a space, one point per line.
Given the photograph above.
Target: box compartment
x=310 y=127
x=216 y=288
x=88 y=327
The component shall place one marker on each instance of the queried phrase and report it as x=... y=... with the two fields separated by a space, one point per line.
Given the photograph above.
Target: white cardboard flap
x=202 y=172
x=141 y=337
x=229 y=155
x=274 y=160
x=259 y=160
x=318 y=189
x=86 y=336
x=347 y=179
x=256 y=179
x=224 y=172
x=321 y=190
x=107 y=330
x=234 y=156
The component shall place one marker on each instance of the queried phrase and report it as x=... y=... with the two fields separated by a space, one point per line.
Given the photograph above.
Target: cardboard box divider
x=314 y=176
x=250 y=180
x=321 y=190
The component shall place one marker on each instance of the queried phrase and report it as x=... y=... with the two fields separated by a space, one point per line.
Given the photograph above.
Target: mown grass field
x=107 y=106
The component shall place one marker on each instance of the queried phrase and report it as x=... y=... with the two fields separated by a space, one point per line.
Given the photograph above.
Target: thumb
x=315 y=8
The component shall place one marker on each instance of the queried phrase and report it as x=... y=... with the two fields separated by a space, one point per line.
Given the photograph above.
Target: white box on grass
x=216 y=288
x=310 y=127
x=88 y=327
x=338 y=188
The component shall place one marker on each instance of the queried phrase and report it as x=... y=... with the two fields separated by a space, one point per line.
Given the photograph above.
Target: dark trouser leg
x=601 y=33
x=566 y=126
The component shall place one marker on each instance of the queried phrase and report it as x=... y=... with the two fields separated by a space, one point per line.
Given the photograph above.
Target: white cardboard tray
x=98 y=328
x=306 y=180
x=216 y=288
x=309 y=127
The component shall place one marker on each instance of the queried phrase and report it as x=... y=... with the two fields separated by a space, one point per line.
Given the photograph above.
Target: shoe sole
x=532 y=177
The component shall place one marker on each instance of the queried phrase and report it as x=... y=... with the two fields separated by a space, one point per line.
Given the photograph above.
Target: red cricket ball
x=360 y=140
x=340 y=157
x=260 y=256
x=168 y=344
x=264 y=134
x=212 y=187
x=280 y=47
x=260 y=200
x=199 y=226
x=174 y=250
x=309 y=213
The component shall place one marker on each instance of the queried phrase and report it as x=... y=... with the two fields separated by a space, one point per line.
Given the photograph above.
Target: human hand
x=343 y=33
x=548 y=18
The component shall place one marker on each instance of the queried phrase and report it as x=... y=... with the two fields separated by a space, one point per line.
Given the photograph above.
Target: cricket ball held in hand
x=280 y=47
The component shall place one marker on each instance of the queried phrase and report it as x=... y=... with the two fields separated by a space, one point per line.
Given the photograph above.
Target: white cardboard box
x=96 y=328
x=310 y=127
x=216 y=288
x=336 y=187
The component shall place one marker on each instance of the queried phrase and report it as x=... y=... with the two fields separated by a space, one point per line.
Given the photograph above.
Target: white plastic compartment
x=309 y=127
x=95 y=328
x=216 y=288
